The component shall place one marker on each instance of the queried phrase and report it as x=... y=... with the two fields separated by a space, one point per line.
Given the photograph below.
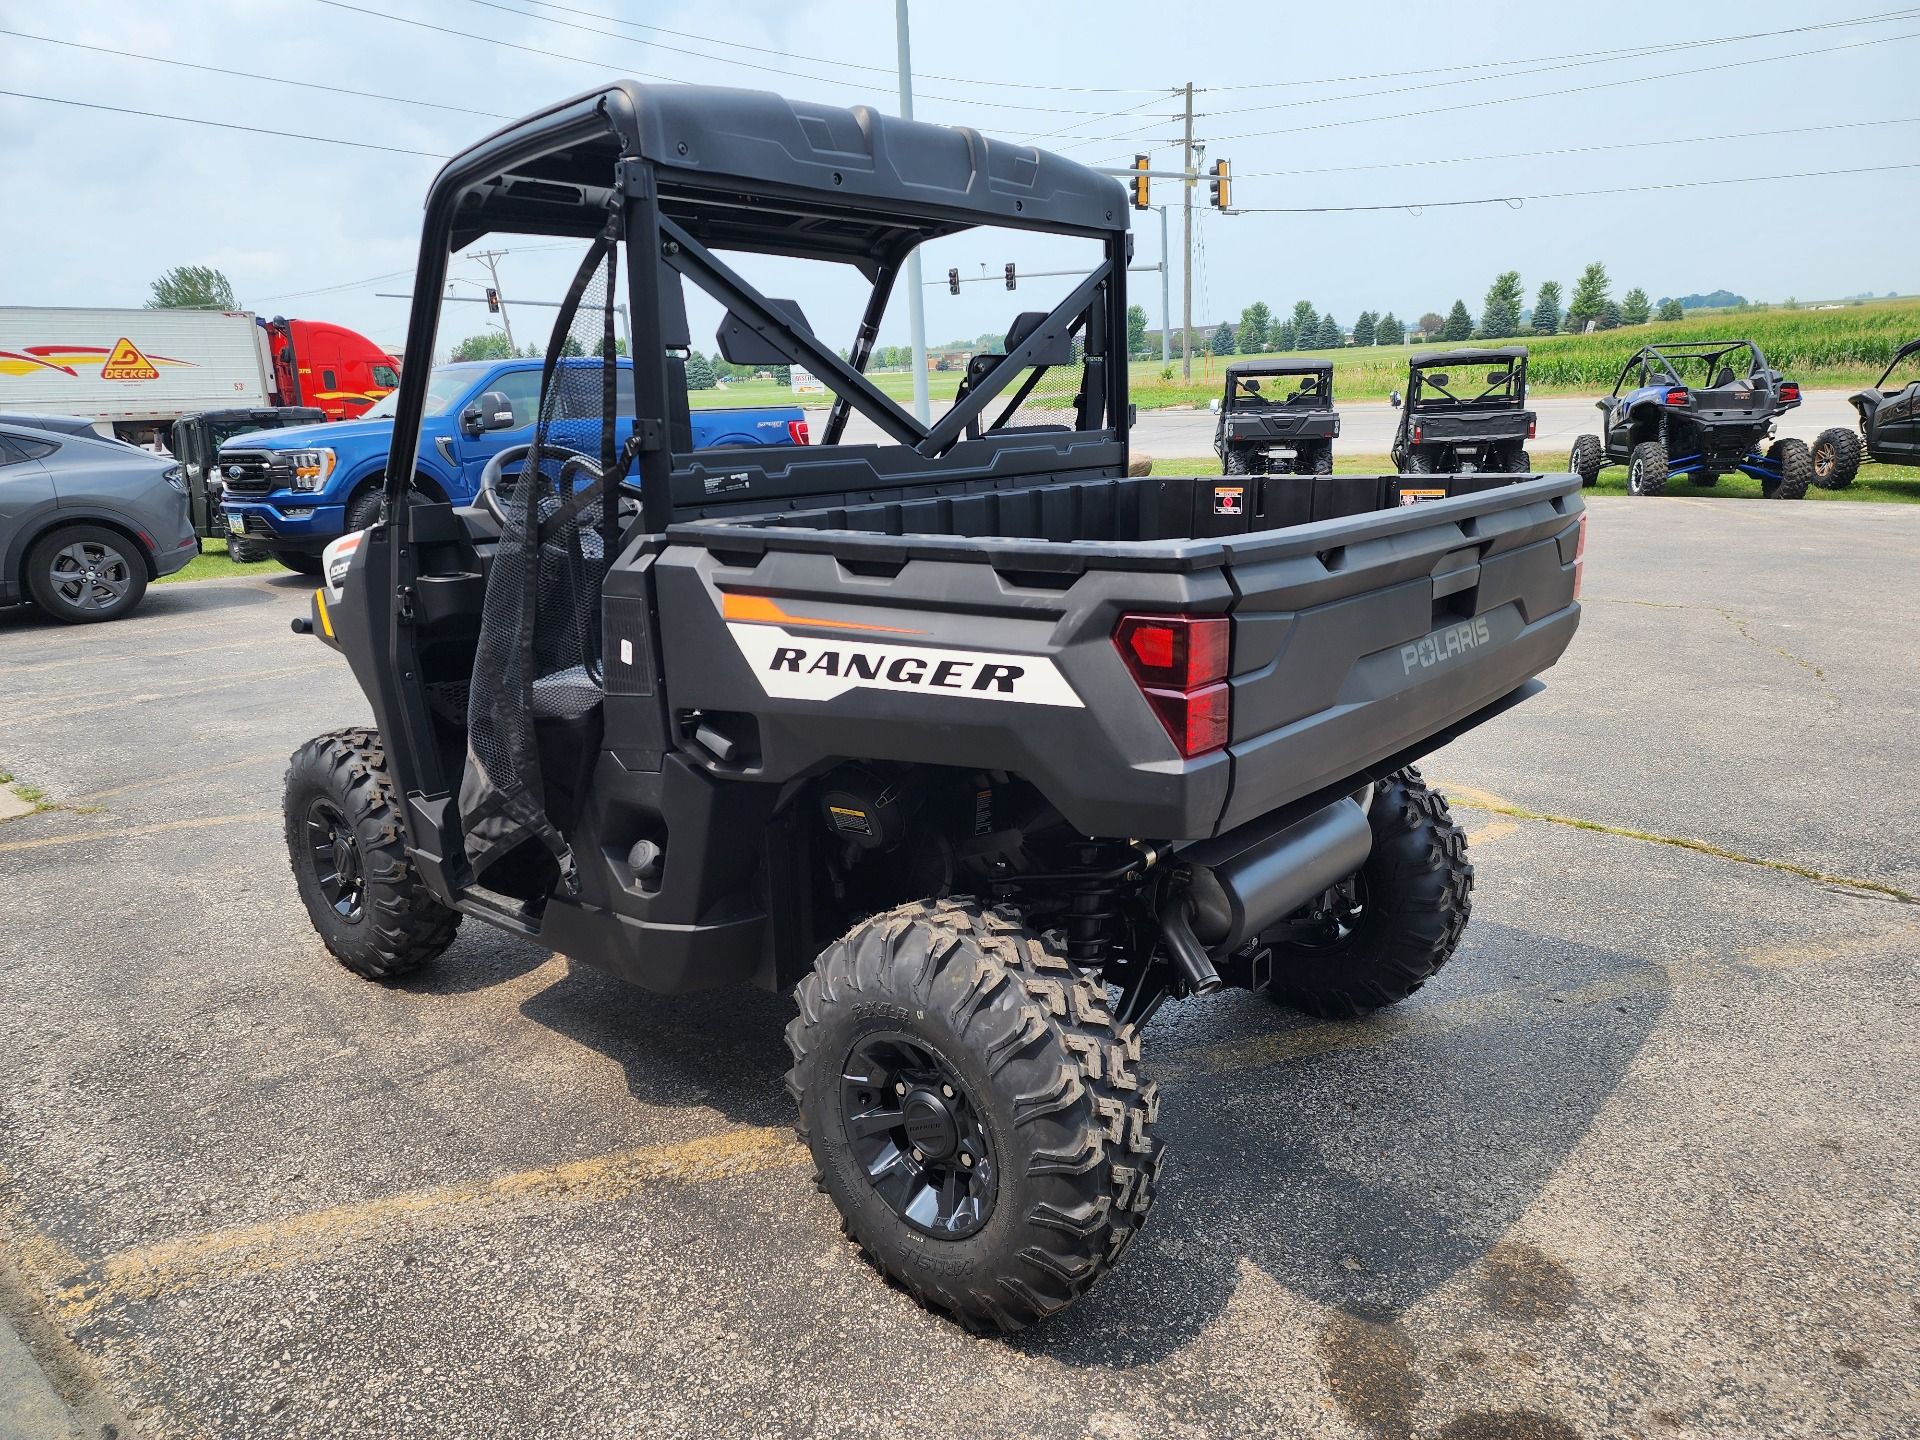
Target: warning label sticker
x=125 y=362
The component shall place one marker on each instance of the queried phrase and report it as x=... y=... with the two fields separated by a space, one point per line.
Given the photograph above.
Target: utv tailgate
x=1354 y=640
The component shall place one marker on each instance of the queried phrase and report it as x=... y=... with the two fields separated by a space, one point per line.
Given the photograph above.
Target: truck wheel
x=972 y=1110
x=1647 y=468
x=83 y=574
x=1796 y=470
x=349 y=857
x=246 y=552
x=1836 y=458
x=1410 y=904
x=363 y=511
x=1586 y=460
x=298 y=561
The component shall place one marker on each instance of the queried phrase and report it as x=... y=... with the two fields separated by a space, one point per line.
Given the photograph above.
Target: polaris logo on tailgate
x=807 y=667
x=1445 y=644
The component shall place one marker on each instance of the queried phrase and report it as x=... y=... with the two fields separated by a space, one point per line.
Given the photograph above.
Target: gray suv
x=85 y=523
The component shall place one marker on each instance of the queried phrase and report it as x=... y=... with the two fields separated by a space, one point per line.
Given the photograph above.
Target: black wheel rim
x=90 y=575
x=917 y=1135
x=335 y=852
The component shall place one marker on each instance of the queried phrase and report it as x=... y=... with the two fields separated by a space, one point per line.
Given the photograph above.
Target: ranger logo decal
x=810 y=667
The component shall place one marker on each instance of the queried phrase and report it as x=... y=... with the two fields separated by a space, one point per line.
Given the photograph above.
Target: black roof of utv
x=1243 y=368
x=1473 y=356
x=914 y=180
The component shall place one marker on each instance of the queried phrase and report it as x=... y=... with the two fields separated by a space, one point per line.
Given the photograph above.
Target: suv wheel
x=348 y=851
x=1647 y=468
x=1836 y=458
x=1796 y=470
x=1586 y=460
x=1398 y=923
x=85 y=573
x=973 y=1110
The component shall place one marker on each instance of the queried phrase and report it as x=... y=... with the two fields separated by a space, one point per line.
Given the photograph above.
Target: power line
x=781 y=70
x=1597 y=55
x=1516 y=201
x=1578 y=149
x=1564 y=90
x=256 y=75
x=223 y=125
x=848 y=64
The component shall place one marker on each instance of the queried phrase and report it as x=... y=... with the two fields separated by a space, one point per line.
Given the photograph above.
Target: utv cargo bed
x=1355 y=637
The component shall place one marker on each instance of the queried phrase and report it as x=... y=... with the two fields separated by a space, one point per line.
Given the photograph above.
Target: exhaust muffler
x=1242 y=882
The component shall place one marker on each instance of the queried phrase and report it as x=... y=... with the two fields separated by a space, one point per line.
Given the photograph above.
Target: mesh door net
x=533 y=710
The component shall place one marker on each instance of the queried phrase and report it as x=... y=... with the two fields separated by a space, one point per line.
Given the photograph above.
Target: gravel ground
x=1639 y=1163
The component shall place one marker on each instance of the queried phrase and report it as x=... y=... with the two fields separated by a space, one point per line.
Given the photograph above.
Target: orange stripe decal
x=766 y=610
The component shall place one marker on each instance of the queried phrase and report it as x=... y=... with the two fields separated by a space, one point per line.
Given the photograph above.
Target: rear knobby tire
x=1048 y=1080
x=1586 y=460
x=368 y=903
x=1234 y=463
x=1647 y=469
x=1796 y=470
x=1516 y=461
x=1322 y=461
x=1836 y=458
x=1416 y=893
x=1418 y=462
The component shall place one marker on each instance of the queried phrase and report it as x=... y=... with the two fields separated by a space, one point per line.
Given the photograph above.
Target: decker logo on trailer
x=125 y=362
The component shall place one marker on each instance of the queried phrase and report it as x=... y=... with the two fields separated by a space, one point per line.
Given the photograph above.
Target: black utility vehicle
x=1697 y=410
x=196 y=440
x=979 y=746
x=1286 y=426
x=1465 y=410
x=1889 y=425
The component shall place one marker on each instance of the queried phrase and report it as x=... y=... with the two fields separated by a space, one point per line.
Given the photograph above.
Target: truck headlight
x=311 y=468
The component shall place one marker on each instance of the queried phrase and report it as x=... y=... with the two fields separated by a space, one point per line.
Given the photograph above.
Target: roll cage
x=1912 y=347
x=1667 y=364
x=1319 y=371
x=1505 y=380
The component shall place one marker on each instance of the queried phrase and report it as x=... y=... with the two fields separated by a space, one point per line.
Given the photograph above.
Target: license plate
x=236 y=525
x=1415 y=497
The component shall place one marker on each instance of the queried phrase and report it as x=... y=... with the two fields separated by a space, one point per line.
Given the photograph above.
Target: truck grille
x=254 y=472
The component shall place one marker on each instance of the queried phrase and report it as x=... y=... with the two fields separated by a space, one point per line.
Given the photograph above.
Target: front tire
x=972 y=1110
x=300 y=562
x=1414 y=897
x=1796 y=470
x=1836 y=458
x=84 y=574
x=1586 y=460
x=1647 y=469
x=348 y=851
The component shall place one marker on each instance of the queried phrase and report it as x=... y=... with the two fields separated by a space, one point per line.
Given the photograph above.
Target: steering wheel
x=487 y=497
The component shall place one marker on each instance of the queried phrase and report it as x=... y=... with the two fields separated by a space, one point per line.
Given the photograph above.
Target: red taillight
x=1580 y=556
x=1789 y=390
x=1416 y=434
x=797 y=432
x=1677 y=396
x=1180 y=664
x=1531 y=425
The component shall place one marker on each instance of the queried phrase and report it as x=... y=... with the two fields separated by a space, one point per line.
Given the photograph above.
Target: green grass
x=1825 y=349
x=213 y=564
x=1893 y=484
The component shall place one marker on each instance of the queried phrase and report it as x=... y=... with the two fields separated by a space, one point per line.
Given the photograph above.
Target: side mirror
x=1213 y=405
x=492 y=411
x=1393 y=398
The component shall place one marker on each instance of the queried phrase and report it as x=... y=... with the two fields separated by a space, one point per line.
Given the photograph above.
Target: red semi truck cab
x=337 y=369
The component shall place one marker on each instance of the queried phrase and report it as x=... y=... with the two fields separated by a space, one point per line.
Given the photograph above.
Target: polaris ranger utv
x=1266 y=434
x=1697 y=410
x=1889 y=426
x=1474 y=420
x=980 y=747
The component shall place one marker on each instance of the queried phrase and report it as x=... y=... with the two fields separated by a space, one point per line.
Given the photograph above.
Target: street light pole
x=916 y=303
x=1186 y=270
x=1166 y=311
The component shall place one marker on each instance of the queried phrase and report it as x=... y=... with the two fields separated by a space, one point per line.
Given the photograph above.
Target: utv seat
x=1724 y=378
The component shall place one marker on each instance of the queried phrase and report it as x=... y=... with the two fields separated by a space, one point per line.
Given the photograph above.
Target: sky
x=1365 y=103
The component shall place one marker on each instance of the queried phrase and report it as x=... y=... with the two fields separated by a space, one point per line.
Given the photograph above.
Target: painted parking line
x=136 y=832
x=278 y=757
x=149 y=697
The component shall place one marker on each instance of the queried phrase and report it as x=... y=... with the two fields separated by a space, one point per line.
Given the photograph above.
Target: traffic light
x=1222 y=186
x=1141 y=163
x=1010 y=275
x=953 y=280
x=493 y=301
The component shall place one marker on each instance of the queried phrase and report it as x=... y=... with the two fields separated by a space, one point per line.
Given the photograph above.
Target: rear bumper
x=166 y=562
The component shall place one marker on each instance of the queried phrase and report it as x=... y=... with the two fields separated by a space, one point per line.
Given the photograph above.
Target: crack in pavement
x=1741 y=624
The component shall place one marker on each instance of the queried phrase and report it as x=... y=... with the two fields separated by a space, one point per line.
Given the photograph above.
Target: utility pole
x=489 y=259
x=1186 y=267
x=916 y=304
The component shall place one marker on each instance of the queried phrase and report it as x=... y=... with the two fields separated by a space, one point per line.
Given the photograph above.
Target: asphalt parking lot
x=1638 y=1164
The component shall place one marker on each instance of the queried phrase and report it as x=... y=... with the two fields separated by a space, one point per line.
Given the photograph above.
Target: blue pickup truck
x=288 y=492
